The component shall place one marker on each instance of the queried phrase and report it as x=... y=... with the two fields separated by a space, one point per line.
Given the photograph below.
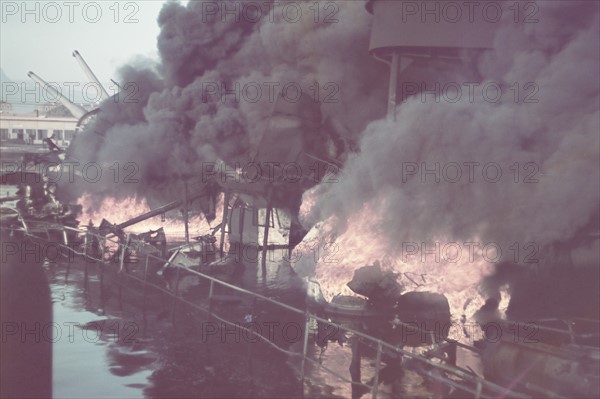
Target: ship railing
x=452 y=376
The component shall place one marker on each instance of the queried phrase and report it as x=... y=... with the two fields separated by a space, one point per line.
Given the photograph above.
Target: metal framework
x=463 y=379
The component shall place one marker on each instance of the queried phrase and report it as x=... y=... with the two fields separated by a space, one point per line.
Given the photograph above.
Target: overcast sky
x=102 y=36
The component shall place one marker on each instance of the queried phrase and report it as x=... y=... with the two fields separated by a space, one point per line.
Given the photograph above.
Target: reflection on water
x=121 y=340
x=114 y=344
x=92 y=354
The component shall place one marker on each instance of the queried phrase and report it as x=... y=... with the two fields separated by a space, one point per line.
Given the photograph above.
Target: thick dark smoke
x=559 y=134
x=175 y=126
x=177 y=123
x=189 y=46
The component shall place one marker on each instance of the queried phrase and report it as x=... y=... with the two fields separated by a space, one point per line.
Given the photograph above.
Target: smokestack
x=90 y=74
x=415 y=37
x=77 y=110
x=398 y=44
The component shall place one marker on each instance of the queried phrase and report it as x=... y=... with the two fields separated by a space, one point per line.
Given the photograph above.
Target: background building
x=47 y=121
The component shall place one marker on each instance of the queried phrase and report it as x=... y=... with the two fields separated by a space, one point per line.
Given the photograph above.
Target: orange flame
x=118 y=211
x=362 y=244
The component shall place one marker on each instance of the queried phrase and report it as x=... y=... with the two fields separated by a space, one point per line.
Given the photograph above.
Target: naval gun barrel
x=150 y=214
x=77 y=110
x=106 y=227
x=90 y=74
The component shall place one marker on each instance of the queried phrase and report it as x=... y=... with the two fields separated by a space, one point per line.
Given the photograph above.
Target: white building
x=47 y=121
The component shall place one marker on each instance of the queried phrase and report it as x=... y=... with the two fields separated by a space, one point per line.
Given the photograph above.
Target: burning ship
x=368 y=243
